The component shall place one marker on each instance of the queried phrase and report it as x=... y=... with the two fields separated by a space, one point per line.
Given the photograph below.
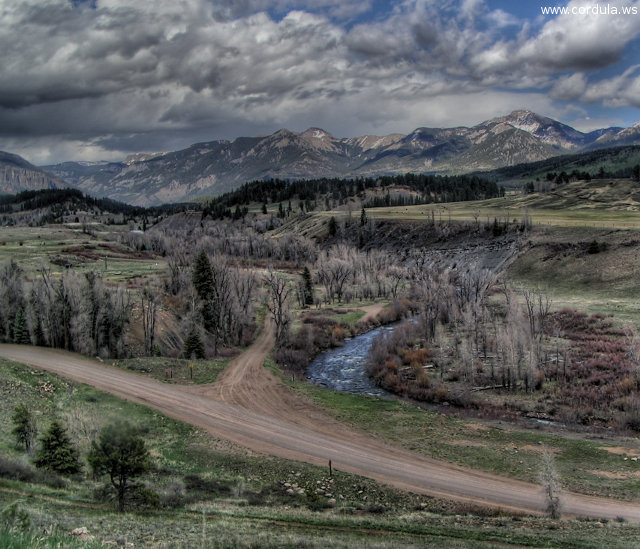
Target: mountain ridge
x=214 y=167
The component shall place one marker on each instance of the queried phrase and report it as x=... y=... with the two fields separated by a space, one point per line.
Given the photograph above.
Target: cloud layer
x=99 y=78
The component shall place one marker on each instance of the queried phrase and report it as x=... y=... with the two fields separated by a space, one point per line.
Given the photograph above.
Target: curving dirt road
x=249 y=405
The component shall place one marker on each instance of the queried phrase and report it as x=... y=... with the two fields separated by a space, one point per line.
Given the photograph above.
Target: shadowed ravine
x=250 y=406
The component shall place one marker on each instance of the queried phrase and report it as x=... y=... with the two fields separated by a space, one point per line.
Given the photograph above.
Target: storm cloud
x=102 y=78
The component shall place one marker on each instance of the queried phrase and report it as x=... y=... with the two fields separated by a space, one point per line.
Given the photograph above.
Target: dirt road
x=248 y=405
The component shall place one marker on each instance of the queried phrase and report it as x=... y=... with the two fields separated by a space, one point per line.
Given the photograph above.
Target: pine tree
x=333 y=226
x=193 y=346
x=25 y=429
x=57 y=452
x=20 y=330
x=307 y=286
x=120 y=453
x=363 y=217
x=202 y=276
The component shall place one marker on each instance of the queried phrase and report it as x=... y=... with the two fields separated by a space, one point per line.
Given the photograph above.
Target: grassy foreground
x=213 y=494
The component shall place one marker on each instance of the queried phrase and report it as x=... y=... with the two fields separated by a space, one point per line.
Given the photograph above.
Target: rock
x=290 y=492
x=320 y=491
x=332 y=502
x=287 y=485
x=80 y=531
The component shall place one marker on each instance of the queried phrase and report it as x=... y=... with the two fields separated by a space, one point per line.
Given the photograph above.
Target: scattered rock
x=80 y=531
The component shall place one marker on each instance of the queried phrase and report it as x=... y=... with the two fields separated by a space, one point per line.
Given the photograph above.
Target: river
x=344 y=368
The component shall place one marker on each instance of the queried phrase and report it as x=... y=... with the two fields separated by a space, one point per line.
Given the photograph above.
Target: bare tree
x=550 y=480
x=149 y=301
x=177 y=261
x=278 y=304
x=633 y=354
x=538 y=309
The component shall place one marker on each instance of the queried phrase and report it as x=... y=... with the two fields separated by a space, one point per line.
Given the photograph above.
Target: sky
x=101 y=79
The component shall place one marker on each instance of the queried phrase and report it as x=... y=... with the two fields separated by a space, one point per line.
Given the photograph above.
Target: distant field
x=597 y=203
x=62 y=246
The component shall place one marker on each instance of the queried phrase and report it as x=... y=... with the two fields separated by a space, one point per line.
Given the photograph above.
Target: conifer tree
x=20 y=330
x=193 y=346
x=25 y=429
x=120 y=453
x=307 y=286
x=202 y=276
x=57 y=452
x=333 y=226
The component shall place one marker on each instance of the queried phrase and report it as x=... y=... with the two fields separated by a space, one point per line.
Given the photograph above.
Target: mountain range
x=211 y=168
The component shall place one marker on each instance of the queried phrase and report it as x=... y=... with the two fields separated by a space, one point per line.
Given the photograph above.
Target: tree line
x=71 y=311
x=313 y=192
x=59 y=199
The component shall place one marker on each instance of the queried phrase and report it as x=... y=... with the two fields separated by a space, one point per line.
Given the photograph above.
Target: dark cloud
x=115 y=75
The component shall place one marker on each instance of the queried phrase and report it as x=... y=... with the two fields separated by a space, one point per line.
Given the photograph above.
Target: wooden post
x=330 y=469
x=191 y=370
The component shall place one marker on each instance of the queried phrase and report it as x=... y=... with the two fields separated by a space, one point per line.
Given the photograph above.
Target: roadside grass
x=585 y=466
x=175 y=370
x=226 y=525
x=347 y=316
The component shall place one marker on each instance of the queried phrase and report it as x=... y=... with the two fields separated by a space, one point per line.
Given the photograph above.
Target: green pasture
x=66 y=246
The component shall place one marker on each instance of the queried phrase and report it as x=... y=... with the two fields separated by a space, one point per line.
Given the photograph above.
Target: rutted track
x=248 y=405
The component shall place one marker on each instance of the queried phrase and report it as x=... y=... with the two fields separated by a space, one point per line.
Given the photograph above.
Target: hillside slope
x=16 y=174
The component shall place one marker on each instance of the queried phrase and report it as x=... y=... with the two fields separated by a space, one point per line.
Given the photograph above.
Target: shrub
x=25 y=473
x=15 y=518
x=441 y=394
x=174 y=495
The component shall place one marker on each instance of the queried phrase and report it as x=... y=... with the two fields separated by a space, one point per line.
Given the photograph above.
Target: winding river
x=343 y=368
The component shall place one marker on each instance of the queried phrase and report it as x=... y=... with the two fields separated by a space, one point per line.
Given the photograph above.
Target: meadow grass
x=56 y=246
x=175 y=370
x=596 y=203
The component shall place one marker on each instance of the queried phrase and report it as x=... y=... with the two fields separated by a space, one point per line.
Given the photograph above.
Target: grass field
x=59 y=246
x=597 y=203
